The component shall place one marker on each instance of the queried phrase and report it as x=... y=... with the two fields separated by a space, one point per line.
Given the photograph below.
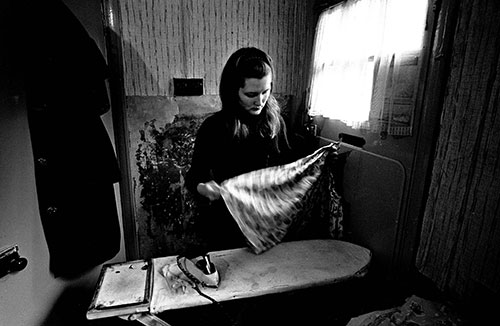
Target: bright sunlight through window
x=358 y=47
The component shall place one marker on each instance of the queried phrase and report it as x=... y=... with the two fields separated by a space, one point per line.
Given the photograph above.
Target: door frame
x=112 y=31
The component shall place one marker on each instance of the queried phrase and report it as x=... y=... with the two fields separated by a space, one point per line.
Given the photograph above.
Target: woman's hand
x=211 y=190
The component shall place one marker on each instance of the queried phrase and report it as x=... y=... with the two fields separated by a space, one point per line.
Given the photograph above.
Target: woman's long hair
x=248 y=63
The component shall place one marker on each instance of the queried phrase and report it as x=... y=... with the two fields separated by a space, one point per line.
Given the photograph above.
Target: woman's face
x=254 y=94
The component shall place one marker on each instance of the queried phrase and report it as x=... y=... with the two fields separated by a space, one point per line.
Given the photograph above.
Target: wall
x=193 y=39
x=161 y=40
x=29 y=296
x=460 y=240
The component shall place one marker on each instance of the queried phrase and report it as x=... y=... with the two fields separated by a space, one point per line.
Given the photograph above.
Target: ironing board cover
x=268 y=204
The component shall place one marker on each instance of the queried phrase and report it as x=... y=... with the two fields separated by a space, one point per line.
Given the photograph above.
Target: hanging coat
x=75 y=165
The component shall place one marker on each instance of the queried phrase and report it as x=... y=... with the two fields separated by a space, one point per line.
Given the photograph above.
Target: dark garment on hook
x=75 y=165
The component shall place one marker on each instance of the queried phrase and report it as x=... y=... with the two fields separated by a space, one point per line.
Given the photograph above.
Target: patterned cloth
x=278 y=203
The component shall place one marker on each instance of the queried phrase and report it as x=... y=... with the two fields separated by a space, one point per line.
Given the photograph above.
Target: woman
x=247 y=134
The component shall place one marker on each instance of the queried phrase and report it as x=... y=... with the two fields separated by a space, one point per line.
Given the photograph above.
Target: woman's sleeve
x=200 y=170
x=286 y=152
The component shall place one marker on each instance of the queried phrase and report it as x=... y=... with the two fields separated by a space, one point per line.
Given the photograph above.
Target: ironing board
x=286 y=267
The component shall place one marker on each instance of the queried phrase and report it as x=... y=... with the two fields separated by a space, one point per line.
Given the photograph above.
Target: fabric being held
x=270 y=203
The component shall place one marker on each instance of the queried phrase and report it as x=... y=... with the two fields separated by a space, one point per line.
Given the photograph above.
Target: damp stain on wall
x=163 y=158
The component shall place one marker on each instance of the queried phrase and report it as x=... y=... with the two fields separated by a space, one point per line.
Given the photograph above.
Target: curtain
x=459 y=247
x=366 y=63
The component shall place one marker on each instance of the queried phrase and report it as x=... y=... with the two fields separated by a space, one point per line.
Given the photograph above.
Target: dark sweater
x=219 y=156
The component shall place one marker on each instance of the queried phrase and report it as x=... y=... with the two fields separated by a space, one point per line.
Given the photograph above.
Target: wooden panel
x=192 y=39
x=460 y=240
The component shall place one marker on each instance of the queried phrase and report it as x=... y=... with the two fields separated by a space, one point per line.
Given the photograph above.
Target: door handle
x=11 y=261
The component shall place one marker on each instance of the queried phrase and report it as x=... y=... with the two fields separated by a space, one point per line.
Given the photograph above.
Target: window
x=366 y=63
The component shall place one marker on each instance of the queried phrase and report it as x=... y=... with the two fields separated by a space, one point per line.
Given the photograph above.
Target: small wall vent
x=188 y=86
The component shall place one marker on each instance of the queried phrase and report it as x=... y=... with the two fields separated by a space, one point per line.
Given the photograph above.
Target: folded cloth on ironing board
x=267 y=203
